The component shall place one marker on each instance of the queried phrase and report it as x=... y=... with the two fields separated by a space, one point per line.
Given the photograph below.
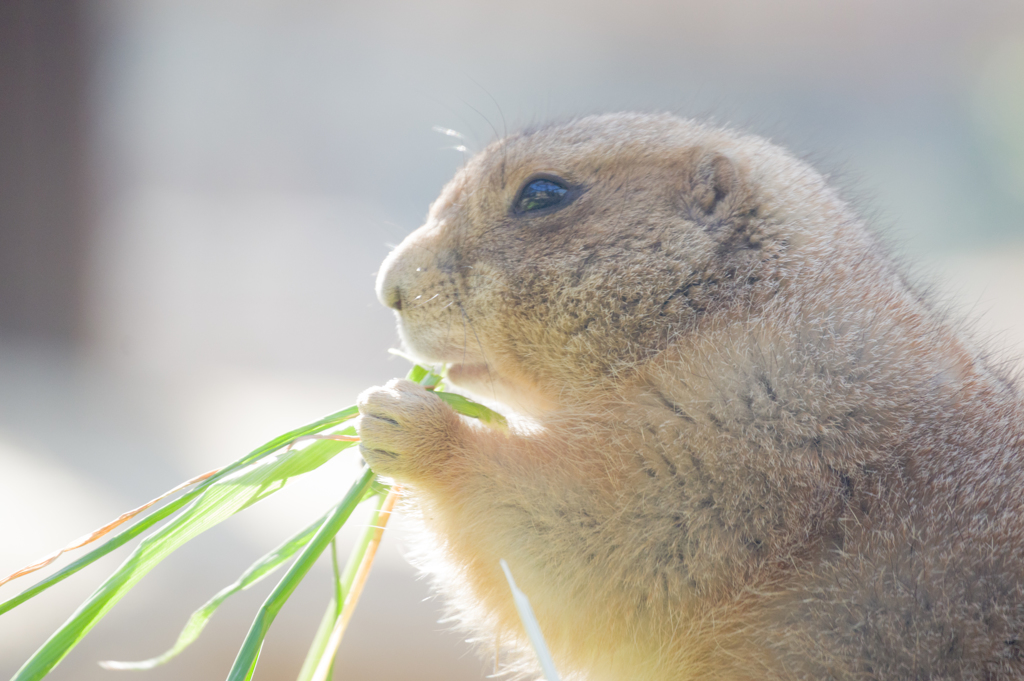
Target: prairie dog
x=749 y=449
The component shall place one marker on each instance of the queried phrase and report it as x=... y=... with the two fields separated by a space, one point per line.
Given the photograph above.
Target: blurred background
x=195 y=196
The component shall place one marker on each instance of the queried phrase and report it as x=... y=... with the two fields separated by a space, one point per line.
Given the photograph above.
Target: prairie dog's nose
x=403 y=273
x=399 y=274
x=388 y=291
x=392 y=297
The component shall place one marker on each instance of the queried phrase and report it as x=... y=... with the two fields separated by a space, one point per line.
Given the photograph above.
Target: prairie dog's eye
x=540 y=194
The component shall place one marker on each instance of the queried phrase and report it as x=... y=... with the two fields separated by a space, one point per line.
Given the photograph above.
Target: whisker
x=466 y=321
x=504 y=127
x=420 y=303
x=448 y=331
x=465 y=337
x=449 y=132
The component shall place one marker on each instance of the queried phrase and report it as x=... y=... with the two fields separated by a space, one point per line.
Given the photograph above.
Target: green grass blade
x=465 y=406
x=155 y=517
x=320 y=425
x=344 y=585
x=468 y=407
x=261 y=569
x=319 y=645
x=218 y=501
x=245 y=662
x=97 y=553
x=258 y=474
x=417 y=373
x=339 y=592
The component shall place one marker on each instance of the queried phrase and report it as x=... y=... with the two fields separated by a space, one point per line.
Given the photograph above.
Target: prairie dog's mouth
x=469 y=372
x=484 y=382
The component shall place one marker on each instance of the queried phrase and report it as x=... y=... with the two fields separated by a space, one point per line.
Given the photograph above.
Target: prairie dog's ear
x=714 y=188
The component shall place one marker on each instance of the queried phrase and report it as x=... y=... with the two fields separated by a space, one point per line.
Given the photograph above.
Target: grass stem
x=378 y=524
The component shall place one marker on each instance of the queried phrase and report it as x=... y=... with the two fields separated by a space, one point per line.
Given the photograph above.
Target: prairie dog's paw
x=406 y=432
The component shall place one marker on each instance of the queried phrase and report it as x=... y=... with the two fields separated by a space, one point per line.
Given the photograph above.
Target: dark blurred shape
x=43 y=132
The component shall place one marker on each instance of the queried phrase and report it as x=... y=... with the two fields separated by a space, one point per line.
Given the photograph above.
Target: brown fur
x=751 y=452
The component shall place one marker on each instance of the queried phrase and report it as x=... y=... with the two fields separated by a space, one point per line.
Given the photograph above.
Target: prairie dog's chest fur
x=757 y=452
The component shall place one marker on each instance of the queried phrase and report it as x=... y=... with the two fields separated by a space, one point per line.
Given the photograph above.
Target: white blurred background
x=195 y=196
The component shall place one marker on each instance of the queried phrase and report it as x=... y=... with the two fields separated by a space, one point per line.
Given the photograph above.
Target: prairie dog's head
x=566 y=256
